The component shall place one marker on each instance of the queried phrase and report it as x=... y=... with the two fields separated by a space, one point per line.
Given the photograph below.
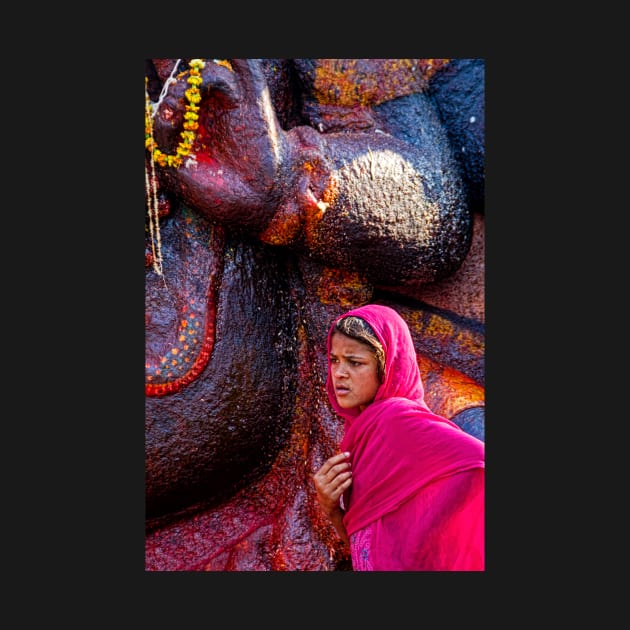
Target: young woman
x=406 y=492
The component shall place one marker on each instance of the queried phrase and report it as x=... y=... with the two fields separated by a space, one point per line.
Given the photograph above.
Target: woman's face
x=353 y=369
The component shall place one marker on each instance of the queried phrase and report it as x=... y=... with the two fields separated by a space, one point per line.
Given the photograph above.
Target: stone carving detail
x=306 y=187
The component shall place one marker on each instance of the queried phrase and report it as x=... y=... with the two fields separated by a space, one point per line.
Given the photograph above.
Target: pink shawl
x=397 y=446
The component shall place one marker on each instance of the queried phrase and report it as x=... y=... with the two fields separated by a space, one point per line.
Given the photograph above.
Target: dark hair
x=357 y=328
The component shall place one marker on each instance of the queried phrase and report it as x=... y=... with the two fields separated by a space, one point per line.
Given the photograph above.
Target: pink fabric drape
x=418 y=479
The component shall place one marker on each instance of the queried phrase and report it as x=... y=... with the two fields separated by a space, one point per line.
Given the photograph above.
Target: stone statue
x=281 y=192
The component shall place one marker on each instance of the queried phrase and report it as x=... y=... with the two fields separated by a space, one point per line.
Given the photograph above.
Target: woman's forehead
x=341 y=344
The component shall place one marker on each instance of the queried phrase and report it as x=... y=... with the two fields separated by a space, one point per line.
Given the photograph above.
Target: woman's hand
x=331 y=481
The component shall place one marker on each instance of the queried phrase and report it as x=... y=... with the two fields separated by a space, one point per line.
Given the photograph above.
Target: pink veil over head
x=402 y=376
x=397 y=445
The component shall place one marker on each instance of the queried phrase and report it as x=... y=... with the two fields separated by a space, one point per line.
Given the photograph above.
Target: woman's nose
x=340 y=371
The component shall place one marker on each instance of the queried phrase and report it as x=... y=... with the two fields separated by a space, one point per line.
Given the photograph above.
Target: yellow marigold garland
x=191 y=120
x=191 y=124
